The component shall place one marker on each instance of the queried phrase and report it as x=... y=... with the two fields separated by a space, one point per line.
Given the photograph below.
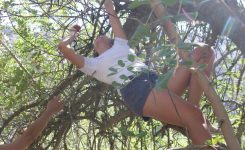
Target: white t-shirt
x=106 y=68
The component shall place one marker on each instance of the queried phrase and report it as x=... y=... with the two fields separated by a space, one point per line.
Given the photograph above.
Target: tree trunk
x=219 y=112
x=223 y=20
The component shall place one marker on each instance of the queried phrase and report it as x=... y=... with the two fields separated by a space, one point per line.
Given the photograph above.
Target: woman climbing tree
x=138 y=91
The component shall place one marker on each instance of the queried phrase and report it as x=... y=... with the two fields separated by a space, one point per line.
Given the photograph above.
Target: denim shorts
x=135 y=93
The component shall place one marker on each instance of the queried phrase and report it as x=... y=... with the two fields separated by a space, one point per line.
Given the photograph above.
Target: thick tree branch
x=219 y=111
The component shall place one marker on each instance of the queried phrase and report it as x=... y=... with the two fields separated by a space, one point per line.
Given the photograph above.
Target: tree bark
x=219 y=112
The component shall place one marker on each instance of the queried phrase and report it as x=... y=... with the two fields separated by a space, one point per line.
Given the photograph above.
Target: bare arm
x=168 y=26
x=65 y=48
x=35 y=129
x=114 y=20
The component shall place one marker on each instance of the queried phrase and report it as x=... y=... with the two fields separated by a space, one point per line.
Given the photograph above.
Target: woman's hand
x=109 y=7
x=68 y=52
x=74 y=31
x=77 y=28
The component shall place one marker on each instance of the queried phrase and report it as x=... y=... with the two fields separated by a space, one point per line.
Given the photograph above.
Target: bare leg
x=195 y=90
x=182 y=78
x=174 y=110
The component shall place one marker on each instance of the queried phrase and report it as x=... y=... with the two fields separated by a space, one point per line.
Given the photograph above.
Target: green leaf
x=162 y=80
x=215 y=140
x=202 y=66
x=18 y=75
x=116 y=84
x=6 y=4
x=123 y=77
x=142 y=55
x=121 y=63
x=165 y=53
x=33 y=11
x=130 y=68
x=187 y=63
x=185 y=46
x=111 y=74
x=131 y=57
x=126 y=132
x=163 y=47
x=142 y=31
x=23 y=85
x=20 y=22
x=113 y=69
x=142 y=134
x=172 y=62
x=138 y=3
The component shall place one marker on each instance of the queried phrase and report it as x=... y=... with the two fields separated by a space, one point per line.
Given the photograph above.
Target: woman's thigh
x=170 y=108
x=179 y=81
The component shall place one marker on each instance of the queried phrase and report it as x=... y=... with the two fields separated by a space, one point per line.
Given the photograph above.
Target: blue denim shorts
x=135 y=93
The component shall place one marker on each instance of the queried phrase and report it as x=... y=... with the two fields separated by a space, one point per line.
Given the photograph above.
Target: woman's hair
x=111 y=44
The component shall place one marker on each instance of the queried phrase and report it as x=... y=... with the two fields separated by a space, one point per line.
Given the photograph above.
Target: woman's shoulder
x=120 y=41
